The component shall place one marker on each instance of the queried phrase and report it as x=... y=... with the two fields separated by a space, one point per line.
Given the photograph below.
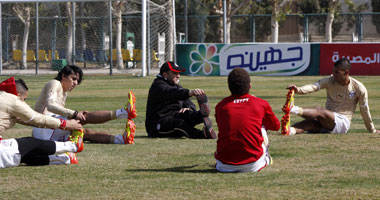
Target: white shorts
x=9 y=153
x=51 y=134
x=342 y=124
x=263 y=161
x=256 y=166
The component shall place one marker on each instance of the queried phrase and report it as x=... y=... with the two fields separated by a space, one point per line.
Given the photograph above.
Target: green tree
x=332 y=7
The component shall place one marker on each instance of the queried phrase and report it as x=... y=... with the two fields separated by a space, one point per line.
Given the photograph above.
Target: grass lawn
x=307 y=166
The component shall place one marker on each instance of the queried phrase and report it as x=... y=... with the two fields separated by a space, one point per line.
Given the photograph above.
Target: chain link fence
x=348 y=27
x=42 y=33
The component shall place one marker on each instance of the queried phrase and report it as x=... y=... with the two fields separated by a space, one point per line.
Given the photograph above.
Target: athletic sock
x=118 y=139
x=292 y=131
x=61 y=159
x=121 y=113
x=63 y=147
x=297 y=110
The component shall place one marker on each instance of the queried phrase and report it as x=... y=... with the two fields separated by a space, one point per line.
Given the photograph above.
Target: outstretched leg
x=103 y=137
x=316 y=119
x=102 y=116
x=324 y=118
x=38 y=152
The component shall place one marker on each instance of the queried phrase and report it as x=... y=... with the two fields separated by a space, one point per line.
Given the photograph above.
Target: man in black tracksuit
x=170 y=112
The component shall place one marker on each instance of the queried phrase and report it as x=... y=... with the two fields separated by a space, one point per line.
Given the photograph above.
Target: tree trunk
x=228 y=21
x=274 y=21
x=82 y=31
x=274 y=25
x=69 y=46
x=25 y=38
x=221 y=30
x=119 y=57
x=228 y=31
x=330 y=20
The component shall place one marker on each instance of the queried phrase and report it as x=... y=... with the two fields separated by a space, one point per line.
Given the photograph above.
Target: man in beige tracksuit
x=343 y=94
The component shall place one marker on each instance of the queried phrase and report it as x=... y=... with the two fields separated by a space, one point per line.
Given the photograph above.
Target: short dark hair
x=343 y=63
x=21 y=86
x=239 y=81
x=70 y=69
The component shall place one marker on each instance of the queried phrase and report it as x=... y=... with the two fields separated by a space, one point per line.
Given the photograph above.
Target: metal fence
x=94 y=39
x=348 y=27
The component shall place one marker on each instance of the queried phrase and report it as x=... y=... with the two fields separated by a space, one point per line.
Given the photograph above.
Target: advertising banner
x=258 y=59
x=364 y=57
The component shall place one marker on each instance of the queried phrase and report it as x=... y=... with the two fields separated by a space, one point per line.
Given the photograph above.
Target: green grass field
x=305 y=166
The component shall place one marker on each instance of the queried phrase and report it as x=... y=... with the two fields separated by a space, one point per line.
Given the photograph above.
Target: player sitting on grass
x=242 y=120
x=170 y=111
x=29 y=150
x=52 y=102
x=343 y=93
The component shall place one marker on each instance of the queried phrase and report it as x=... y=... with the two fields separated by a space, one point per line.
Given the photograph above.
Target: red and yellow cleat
x=77 y=137
x=289 y=103
x=131 y=105
x=285 y=124
x=73 y=157
x=129 y=134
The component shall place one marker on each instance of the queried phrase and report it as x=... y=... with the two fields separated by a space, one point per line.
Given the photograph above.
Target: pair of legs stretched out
x=317 y=120
x=97 y=117
x=32 y=151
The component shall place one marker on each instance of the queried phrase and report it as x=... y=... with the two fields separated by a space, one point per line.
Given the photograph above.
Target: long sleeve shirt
x=240 y=119
x=52 y=100
x=13 y=110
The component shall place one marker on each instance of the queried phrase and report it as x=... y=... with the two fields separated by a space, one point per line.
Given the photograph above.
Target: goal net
x=42 y=34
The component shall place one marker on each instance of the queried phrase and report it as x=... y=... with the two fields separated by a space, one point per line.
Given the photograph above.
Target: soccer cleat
x=285 y=124
x=131 y=105
x=208 y=131
x=203 y=105
x=77 y=137
x=129 y=134
x=73 y=157
x=289 y=103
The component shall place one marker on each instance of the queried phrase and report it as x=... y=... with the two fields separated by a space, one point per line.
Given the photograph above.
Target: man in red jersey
x=242 y=120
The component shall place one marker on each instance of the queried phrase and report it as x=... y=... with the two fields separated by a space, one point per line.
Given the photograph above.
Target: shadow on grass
x=181 y=169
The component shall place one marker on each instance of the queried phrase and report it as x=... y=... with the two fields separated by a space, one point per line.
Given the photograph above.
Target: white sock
x=121 y=113
x=292 y=131
x=61 y=159
x=265 y=136
x=119 y=139
x=63 y=147
x=296 y=110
